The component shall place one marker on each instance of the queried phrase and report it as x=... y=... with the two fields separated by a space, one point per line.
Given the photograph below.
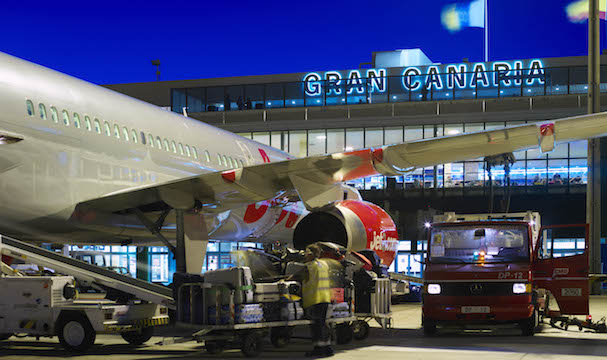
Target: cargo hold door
x=561 y=266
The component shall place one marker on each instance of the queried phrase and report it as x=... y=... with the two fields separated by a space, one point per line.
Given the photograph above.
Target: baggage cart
x=193 y=314
x=380 y=310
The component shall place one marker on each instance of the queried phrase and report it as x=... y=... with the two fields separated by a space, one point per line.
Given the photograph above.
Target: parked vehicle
x=501 y=269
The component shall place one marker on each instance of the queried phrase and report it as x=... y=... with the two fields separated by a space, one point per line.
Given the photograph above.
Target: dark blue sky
x=114 y=41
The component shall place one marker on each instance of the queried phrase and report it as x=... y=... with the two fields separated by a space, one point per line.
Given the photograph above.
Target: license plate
x=475 y=309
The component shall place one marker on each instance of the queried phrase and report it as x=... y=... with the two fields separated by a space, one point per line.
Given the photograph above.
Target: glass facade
x=565 y=166
x=123 y=257
x=160 y=262
x=449 y=82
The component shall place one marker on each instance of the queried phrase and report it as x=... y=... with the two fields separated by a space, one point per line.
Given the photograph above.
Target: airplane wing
x=316 y=180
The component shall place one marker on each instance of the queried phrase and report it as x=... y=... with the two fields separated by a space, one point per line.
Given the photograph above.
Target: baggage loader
x=48 y=306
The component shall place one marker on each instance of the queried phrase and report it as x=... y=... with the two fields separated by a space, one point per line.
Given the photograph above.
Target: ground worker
x=316 y=299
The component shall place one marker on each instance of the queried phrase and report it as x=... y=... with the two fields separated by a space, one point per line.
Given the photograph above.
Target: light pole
x=593 y=189
x=157 y=64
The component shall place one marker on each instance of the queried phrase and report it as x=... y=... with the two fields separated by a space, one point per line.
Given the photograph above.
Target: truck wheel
x=360 y=330
x=343 y=334
x=5 y=336
x=529 y=326
x=138 y=337
x=429 y=328
x=280 y=336
x=75 y=332
x=252 y=344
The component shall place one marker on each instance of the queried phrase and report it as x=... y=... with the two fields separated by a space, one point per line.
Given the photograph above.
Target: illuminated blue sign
x=439 y=77
x=375 y=80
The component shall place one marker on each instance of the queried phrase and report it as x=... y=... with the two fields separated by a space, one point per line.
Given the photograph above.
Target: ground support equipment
x=563 y=322
x=380 y=310
x=194 y=301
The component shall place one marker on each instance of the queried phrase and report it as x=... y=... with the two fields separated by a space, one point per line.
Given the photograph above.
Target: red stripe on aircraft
x=229 y=176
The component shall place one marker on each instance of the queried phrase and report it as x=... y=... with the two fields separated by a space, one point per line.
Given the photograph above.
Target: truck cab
x=499 y=269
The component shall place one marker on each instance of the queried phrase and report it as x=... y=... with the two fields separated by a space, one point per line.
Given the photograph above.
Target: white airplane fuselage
x=59 y=164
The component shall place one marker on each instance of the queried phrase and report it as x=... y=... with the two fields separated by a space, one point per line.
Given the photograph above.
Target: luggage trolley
x=379 y=306
x=223 y=329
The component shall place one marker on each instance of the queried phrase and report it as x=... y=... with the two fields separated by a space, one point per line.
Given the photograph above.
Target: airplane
x=81 y=164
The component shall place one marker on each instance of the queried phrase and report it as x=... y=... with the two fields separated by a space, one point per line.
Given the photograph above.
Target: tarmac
x=404 y=341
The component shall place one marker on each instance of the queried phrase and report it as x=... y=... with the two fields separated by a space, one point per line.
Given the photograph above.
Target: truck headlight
x=520 y=288
x=434 y=289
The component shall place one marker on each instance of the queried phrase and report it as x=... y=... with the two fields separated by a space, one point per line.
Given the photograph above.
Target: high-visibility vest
x=317 y=287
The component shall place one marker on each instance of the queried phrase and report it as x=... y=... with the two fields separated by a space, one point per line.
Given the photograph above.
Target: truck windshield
x=479 y=243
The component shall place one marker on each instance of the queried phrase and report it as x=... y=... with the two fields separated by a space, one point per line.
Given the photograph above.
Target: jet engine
x=353 y=224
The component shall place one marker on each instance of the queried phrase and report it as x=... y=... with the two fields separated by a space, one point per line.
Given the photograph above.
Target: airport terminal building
x=404 y=96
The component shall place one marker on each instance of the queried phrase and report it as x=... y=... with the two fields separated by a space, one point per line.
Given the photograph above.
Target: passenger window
x=219 y=159
x=117 y=131
x=66 y=118
x=180 y=149
x=97 y=126
x=151 y=140
x=225 y=160
x=54 y=114
x=125 y=134
x=42 y=111
x=77 y=120
x=207 y=155
x=158 y=142
x=108 y=129
x=195 y=152
x=187 y=151
x=166 y=144
x=87 y=122
x=30 y=107
x=142 y=137
x=174 y=147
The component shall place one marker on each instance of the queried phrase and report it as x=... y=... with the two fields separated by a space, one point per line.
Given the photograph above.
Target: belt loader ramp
x=86 y=272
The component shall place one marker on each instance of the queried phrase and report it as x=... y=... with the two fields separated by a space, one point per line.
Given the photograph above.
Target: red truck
x=502 y=269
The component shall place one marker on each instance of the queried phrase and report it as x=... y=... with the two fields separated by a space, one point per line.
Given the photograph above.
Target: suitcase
x=283 y=311
x=364 y=282
x=266 y=292
x=292 y=311
x=337 y=295
x=272 y=311
x=338 y=310
x=243 y=314
x=277 y=291
x=237 y=278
